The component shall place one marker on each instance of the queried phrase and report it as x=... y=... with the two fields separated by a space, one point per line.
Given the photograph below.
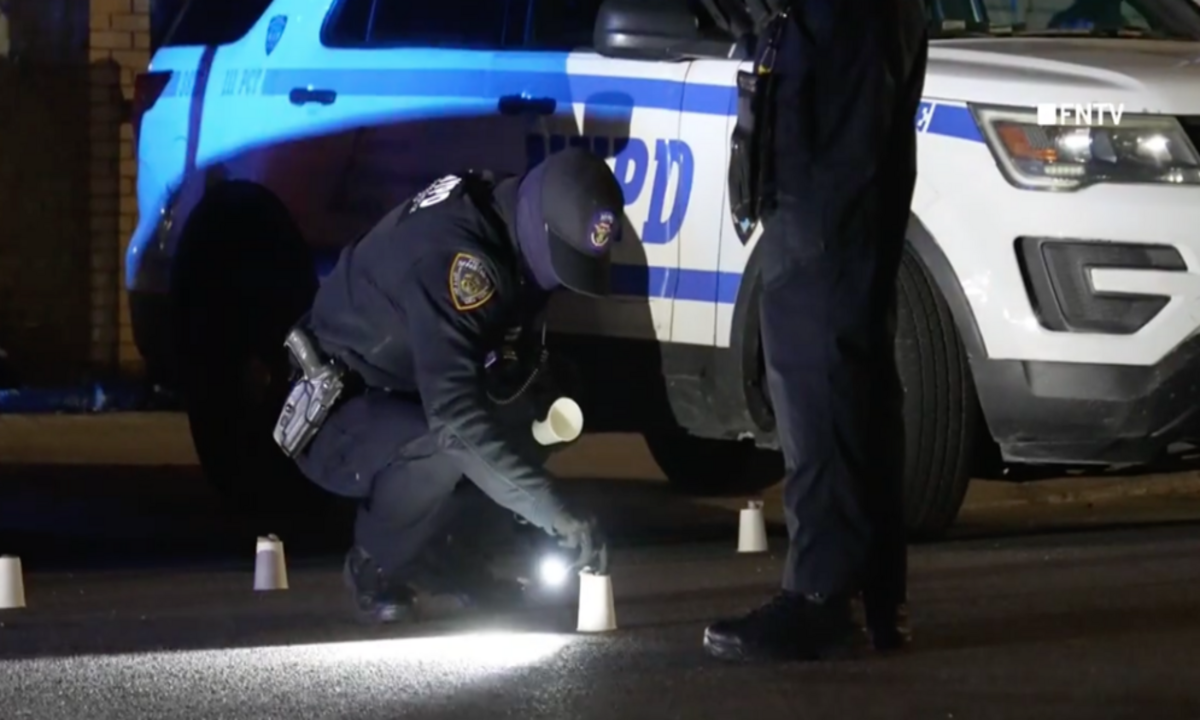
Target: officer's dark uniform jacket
x=415 y=306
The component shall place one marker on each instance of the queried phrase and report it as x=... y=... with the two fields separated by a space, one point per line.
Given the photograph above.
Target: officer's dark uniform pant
x=376 y=448
x=831 y=373
x=846 y=168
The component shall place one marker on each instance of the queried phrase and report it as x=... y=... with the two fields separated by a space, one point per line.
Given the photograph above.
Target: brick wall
x=67 y=184
x=118 y=49
x=44 y=261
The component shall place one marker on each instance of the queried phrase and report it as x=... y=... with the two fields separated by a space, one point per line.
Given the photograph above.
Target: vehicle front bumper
x=977 y=219
x=1091 y=414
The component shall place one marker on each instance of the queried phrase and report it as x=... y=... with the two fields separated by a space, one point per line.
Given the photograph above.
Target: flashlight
x=554 y=570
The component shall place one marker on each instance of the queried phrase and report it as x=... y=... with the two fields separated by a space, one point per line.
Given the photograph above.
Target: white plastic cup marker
x=752 y=528
x=12 y=583
x=563 y=423
x=597 y=612
x=270 y=565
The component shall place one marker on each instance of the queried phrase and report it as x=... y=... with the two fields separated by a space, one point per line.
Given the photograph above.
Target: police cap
x=582 y=206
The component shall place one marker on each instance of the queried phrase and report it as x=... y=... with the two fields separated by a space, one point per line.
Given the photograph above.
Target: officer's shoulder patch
x=471 y=283
x=441 y=189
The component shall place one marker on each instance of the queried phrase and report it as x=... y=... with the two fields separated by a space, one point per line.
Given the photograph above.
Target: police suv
x=1049 y=299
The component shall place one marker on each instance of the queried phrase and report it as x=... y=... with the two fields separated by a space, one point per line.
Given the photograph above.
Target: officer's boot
x=377 y=597
x=887 y=625
x=790 y=626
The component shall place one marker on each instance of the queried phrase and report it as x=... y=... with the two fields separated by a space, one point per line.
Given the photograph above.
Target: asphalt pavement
x=139 y=586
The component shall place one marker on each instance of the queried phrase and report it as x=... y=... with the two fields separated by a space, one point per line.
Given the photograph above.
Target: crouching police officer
x=826 y=150
x=395 y=408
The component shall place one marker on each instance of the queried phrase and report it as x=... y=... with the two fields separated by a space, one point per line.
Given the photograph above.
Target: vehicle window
x=1161 y=19
x=562 y=24
x=213 y=22
x=1069 y=15
x=1133 y=18
x=469 y=24
x=949 y=13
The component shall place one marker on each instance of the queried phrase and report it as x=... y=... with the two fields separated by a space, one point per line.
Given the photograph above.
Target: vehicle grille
x=1191 y=126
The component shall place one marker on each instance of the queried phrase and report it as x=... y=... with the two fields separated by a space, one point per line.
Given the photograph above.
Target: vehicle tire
x=941 y=412
x=941 y=418
x=243 y=277
x=706 y=467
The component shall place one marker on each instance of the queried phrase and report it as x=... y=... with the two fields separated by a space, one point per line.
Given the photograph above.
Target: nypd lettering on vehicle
x=665 y=172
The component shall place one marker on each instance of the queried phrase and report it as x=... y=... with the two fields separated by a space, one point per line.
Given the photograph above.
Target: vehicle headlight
x=1140 y=149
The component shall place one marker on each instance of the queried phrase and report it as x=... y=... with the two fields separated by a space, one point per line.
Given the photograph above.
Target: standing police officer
x=843 y=80
x=401 y=332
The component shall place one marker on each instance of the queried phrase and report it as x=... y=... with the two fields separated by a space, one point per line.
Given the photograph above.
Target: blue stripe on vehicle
x=956 y=121
x=639 y=281
x=563 y=88
x=948 y=120
x=675 y=284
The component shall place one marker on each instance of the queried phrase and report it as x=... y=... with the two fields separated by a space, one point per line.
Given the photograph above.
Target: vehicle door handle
x=306 y=96
x=521 y=105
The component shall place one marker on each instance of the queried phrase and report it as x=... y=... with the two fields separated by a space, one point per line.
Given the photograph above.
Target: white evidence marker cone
x=752 y=529
x=596 y=610
x=12 y=583
x=270 y=567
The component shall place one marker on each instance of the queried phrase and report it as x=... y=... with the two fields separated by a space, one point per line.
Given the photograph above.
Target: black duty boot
x=887 y=626
x=378 y=599
x=788 y=627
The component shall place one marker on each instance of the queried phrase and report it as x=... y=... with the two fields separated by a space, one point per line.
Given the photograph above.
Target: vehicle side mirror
x=653 y=30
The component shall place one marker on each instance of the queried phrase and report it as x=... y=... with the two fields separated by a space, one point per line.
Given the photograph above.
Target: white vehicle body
x=958 y=198
x=337 y=133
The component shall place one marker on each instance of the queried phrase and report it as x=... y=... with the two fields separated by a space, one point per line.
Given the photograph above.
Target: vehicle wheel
x=941 y=418
x=702 y=466
x=941 y=412
x=243 y=278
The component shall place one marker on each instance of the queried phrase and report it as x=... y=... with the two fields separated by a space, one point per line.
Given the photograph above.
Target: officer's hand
x=583 y=535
